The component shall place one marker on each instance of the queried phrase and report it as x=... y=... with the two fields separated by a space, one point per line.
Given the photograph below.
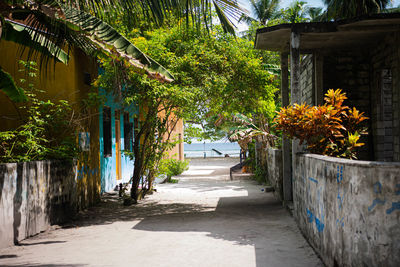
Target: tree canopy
x=224 y=74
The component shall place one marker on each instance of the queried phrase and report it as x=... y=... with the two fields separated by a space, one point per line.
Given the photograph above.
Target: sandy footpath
x=204 y=220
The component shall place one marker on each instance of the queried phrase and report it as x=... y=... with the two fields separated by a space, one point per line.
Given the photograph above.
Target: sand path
x=204 y=220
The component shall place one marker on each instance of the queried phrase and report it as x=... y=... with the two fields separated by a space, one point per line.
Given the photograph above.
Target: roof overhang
x=344 y=34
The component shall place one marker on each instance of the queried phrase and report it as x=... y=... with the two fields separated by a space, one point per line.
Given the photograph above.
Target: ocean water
x=197 y=150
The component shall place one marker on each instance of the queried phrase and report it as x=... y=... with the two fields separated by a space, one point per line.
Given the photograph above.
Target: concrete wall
x=349 y=210
x=274 y=170
x=34 y=195
x=306 y=80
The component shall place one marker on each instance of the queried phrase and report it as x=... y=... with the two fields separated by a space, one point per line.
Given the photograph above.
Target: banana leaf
x=21 y=34
x=8 y=86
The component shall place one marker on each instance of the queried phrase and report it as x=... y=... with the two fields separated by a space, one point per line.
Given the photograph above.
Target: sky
x=286 y=3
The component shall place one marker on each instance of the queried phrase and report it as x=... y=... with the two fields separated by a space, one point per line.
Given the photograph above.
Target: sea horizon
x=215 y=149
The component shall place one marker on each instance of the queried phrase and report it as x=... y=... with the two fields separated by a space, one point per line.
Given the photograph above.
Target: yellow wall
x=61 y=82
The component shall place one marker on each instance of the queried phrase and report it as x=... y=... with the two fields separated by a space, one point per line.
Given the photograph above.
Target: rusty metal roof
x=349 y=33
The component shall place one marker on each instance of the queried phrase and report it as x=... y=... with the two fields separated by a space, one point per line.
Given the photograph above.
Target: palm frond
x=110 y=40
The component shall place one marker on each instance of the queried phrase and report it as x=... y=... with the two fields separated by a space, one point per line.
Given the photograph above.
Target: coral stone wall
x=274 y=170
x=349 y=210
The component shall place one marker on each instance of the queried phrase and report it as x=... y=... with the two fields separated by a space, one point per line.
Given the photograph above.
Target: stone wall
x=307 y=80
x=34 y=195
x=274 y=170
x=349 y=210
x=271 y=162
x=385 y=104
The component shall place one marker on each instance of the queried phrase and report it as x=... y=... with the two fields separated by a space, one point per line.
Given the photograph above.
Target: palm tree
x=296 y=12
x=264 y=10
x=47 y=25
x=316 y=14
x=340 y=9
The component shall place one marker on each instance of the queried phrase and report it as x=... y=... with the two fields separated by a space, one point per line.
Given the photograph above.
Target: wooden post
x=286 y=157
x=295 y=94
x=295 y=67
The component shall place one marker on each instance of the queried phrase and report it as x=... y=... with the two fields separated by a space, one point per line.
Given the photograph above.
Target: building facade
x=105 y=131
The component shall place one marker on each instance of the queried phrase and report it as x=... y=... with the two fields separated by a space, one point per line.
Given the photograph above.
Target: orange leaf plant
x=332 y=129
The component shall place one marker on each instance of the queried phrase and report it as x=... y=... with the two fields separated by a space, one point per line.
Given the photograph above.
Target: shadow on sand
x=258 y=220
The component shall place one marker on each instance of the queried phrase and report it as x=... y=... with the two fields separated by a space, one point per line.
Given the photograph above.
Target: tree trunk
x=136 y=178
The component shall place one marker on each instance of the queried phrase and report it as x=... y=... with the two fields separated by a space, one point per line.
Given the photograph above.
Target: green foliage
x=172 y=167
x=296 y=12
x=113 y=43
x=24 y=36
x=46 y=133
x=10 y=89
x=223 y=75
x=341 y=9
x=82 y=23
x=246 y=131
x=161 y=108
x=331 y=129
x=260 y=175
x=264 y=10
x=214 y=74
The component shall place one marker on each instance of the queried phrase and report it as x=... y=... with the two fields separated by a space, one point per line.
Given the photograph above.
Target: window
x=87 y=79
x=107 y=143
x=128 y=132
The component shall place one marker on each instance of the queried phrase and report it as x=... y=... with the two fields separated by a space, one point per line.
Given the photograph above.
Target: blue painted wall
x=108 y=164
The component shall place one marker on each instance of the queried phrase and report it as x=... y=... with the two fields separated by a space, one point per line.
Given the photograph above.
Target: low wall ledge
x=349 y=162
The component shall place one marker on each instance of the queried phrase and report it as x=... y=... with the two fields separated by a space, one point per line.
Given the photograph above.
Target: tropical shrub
x=47 y=129
x=332 y=129
x=245 y=131
x=172 y=167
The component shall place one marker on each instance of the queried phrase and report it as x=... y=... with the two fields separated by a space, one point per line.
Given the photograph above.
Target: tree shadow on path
x=258 y=220
x=261 y=223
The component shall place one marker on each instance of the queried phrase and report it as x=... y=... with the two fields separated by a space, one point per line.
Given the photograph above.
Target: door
x=118 y=144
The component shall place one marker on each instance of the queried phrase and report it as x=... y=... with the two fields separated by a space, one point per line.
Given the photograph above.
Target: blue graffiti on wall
x=311 y=217
x=377 y=188
x=377 y=201
x=319 y=222
x=85 y=170
x=340 y=195
x=340 y=222
x=339 y=179
x=395 y=206
x=398 y=189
